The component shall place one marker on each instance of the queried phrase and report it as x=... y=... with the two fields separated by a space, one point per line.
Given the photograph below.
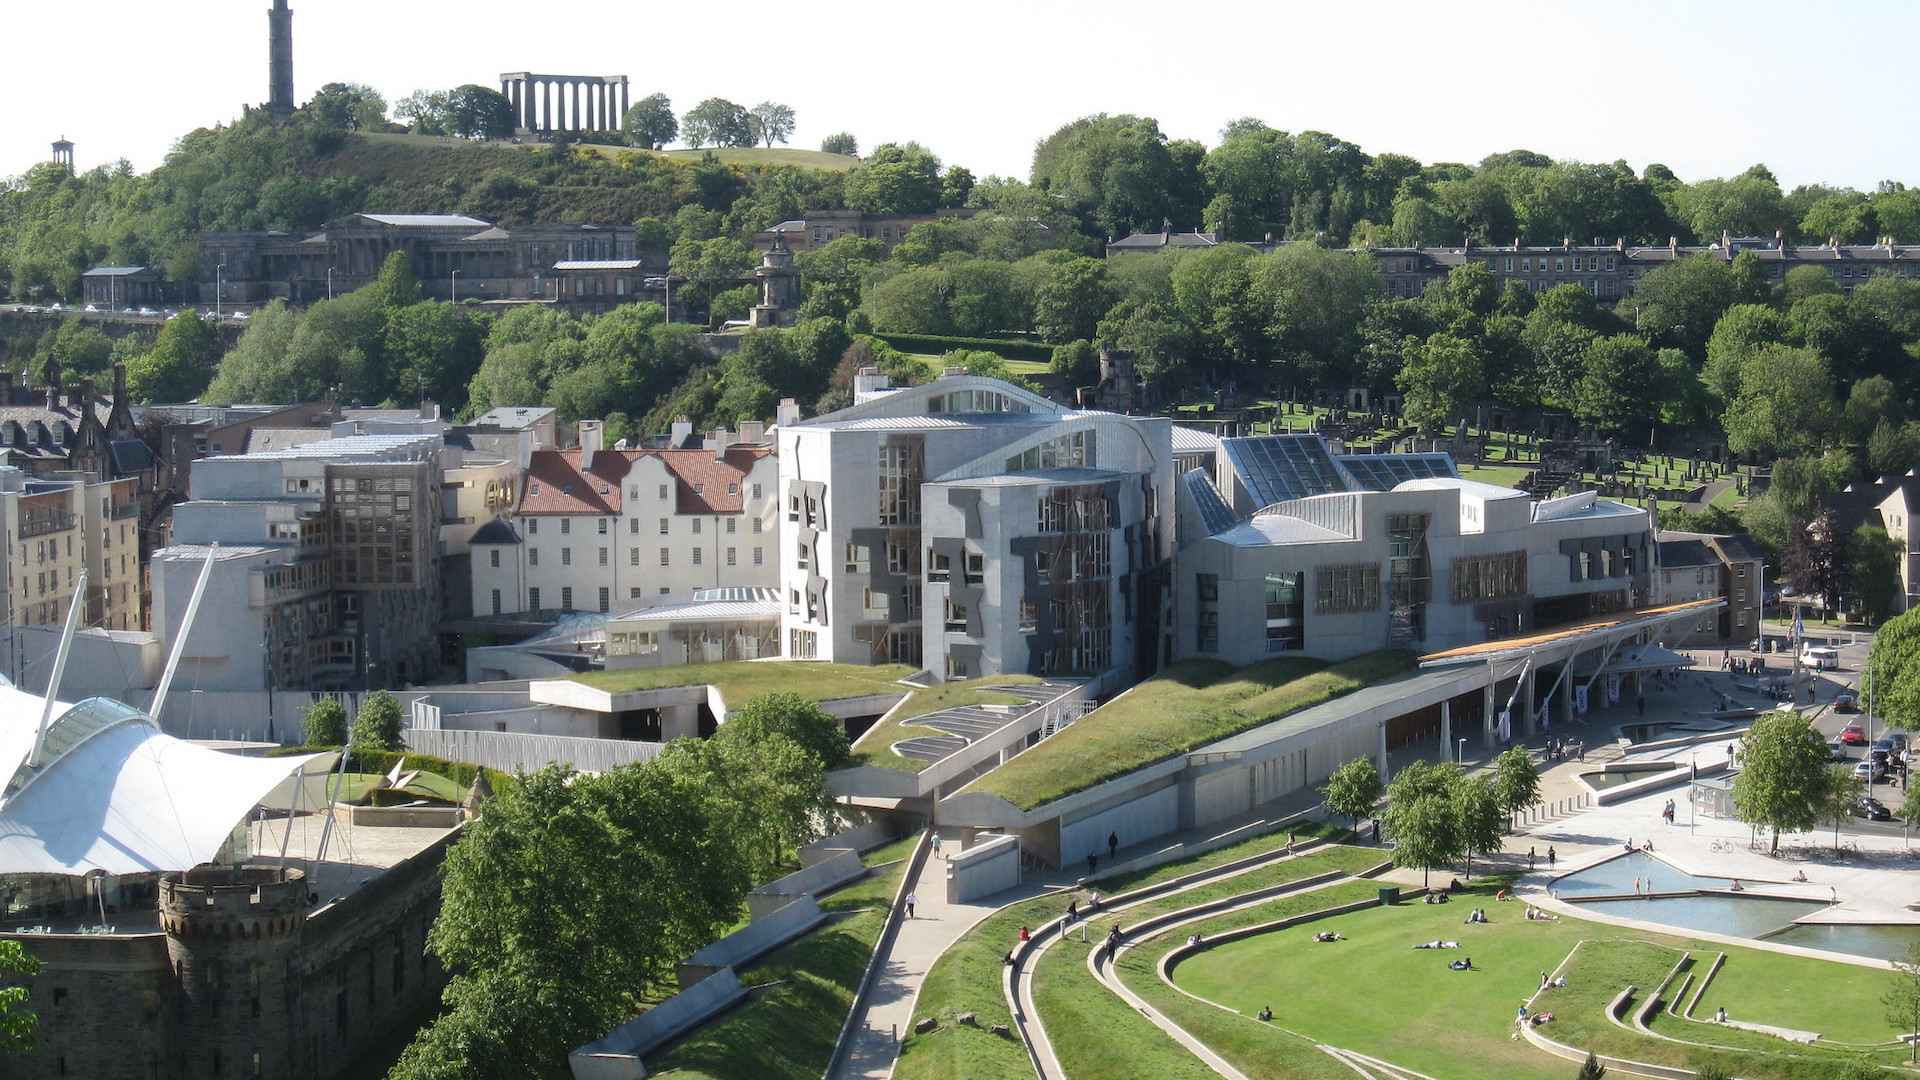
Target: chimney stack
x=119 y=383
x=682 y=430
x=753 y=432
x=592 y=432
x=721 y=437
x=787 y=414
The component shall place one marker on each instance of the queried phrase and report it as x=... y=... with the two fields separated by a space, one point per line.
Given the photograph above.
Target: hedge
x=935 y=344
x=381 y=761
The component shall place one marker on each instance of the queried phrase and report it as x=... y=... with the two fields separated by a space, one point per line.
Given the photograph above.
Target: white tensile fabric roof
x=126 y=798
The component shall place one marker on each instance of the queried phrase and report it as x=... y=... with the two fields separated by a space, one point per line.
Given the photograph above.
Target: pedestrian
x=1376 y=822
x=934 y=838
x=1113 y=845
x=1550 y=857
x=1289 y=843
x=1093 y=860
x=1530 y=857
x=1636 y=886
x=912 y=899
x=1582 y=754
x=1073 y=909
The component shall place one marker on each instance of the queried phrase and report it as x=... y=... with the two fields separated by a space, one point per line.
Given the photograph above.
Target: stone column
x=546 y=111
x=1385 y=772
x=624 y=106
x=1489 y=713
x=576 y=124
x=1446 y=729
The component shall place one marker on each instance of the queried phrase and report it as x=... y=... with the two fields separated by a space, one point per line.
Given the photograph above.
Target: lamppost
x=1460 y=754
x=1693 y=773
x=329 y=282
x=453 y=285
x=219 y=282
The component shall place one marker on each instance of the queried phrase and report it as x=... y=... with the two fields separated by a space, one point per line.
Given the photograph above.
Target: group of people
x=1328 y=935
x=1477 y=915
x=1437 y=898
x=1666 y=812
x=1533 y=855
x=1547 y=981
x=1559 y=749
x=1536 y=914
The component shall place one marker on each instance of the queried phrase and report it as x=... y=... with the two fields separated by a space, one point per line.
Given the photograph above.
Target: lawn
x=1420 y=1014
x=874 y=747
x=1192 y=703
x=1498 y=476
x=789 y=1032
x=740 y=680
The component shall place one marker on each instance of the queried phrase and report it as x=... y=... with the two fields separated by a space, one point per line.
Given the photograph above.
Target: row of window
x=633 y=556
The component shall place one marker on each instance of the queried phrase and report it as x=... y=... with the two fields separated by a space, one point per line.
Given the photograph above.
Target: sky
x=1816 y=92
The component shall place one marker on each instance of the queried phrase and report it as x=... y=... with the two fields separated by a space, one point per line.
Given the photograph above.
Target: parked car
x=1846 y=703
x=1871 y=771
x=1869 y=808
x=1836 y=750
x=1854 y=734
x=1820 y=657
x=91 y=308
x=1881 y=750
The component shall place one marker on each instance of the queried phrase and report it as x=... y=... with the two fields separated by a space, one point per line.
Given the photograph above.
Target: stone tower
x=63 y=153
x=779 y=282
x=232 y=935
x=280 y=59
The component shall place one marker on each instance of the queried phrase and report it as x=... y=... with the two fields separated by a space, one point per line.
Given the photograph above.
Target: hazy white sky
x=1817 y=92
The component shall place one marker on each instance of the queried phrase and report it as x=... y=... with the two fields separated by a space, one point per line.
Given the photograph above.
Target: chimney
x=1566 y=243
x=753 y=432
x=53 y=395
x=429 y=409
x=787 y=414
x=592 y=433
x=119 y=383
x=717 y=442
x=869 y=380
x=682 y=430
x=82 y=392
x=1620 y=244
x=1516 y=243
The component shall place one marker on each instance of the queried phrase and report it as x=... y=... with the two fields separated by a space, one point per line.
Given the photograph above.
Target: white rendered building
x=615 y=530
x=974 y=528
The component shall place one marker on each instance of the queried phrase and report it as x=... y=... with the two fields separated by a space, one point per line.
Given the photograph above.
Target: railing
x=41 y=525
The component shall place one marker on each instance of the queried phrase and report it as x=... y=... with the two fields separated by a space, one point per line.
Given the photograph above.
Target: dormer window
x=699 y=489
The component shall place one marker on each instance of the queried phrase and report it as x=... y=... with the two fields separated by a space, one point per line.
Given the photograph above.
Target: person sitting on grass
x=1800 y=876
x=1327 y=935
x=1266 y=1013
x=1462 y=965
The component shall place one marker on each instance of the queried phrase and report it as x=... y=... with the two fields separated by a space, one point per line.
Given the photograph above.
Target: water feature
x=1856 y=939
x=1615 y=878
x=1714 y=913
x=1626 y=774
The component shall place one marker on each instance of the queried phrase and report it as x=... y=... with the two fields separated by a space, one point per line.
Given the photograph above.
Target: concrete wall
x=859 y=838
x=617 y=1057
x=751 y=942
x=508 y=751
x=1140 y=818
x=821 y=877
x=988 y=867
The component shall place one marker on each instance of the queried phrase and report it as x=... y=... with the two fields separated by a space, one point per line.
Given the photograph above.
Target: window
x=533 y=599
x=1284 y=626
x=803 y=644
x=1207 y=587
x=858 y=558
x=533 y=524
x=603 y=526
x=941 y=566
x=1343 y=589
x=1489 y=577
x=756 y=491
x=566 y=598
x=733 y=488
x=566 y=526
x=759 y=556
x=699 y=489
x=732 y=556
x=663 y=491
x=696 y=556
x=756 y=525
x=496 y=601
x=533 y=556
x=493 y=558
x=1207 y=632
x=732 y=526
x=566 y=556
x=663 y=556
x=800 y=554
x=633 y=556
x=633 y=526
x=665 y=526
x=1029 y=616
x=606 y=599
x=603 y=556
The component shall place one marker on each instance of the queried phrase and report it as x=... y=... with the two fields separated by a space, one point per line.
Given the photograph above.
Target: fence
x=510 y=752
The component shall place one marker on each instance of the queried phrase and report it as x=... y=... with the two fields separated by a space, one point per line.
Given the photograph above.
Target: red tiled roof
x=555 y=484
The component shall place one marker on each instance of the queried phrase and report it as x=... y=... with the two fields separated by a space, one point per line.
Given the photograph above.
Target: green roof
x=740 y=680
x=1190 y=704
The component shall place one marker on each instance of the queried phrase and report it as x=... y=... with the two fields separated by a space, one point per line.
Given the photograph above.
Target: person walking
x=1530 y=858
x=1093 y=860
x=912 y=899
x=1376 y=829
x=1113 y=845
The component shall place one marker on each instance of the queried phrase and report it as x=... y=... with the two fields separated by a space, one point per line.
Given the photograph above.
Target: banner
x=1580 y=700
x=1613 y=689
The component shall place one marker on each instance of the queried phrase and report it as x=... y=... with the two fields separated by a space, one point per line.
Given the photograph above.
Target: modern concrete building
x=974 y=528
x=1430 y=564
x=328 y=573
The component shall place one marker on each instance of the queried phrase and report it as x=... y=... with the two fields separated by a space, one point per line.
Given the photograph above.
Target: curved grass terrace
x=1190 y=704
x=875 y=747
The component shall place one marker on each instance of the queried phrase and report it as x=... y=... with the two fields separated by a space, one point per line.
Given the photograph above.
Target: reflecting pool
x=1615 y=878
x=1855 y=939
x=1715 y=913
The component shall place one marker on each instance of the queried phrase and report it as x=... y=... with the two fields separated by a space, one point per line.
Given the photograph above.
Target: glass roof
x=1215 y=514
x=1280 y=468
x=1383 y=472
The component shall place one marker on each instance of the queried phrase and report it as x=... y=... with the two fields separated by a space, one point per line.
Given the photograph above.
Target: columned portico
x=544 y=104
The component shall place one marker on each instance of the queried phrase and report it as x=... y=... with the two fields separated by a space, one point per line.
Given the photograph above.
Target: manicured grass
x=966 y=978
x=762 y=155
x=1454 y=1024
x=1188 y=705
x=875 y=746
x=789 y=1031
x=740 y=680
x=1498 y=476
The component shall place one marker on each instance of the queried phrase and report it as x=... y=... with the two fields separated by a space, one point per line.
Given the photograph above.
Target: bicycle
x=1721 y=846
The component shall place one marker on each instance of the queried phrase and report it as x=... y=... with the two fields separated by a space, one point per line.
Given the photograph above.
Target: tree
x=378 y=725
x=1872 y=575
x=1902 y=999
x=19 y=1027
x=1353 y=790
x=1592 y=1069
x=772 y=122
x=717 y=122
x=650 y=123
x=1892 y=678
x=1785 y=405
x=326 y=723
x=349 y=106
x=478 y=112
x=1422 y=818
x=840 y=142
x=1441 y=380
x=1622 y=387
x=1516 y=781
x=1479 y=817
x=425 y=112
x=896 y=179
x=180 y=364
x=1070 y=300
x=1816 y=559
x=791 y=717
x=1783 y=780
x=1078 y=362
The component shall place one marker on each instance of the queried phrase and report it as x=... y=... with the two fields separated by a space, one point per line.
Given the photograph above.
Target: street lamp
x=219 y=281
x=453 y=285
x=329 y=282
x=1460 y=755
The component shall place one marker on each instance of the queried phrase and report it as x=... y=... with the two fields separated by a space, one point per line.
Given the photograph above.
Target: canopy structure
x=110 y=791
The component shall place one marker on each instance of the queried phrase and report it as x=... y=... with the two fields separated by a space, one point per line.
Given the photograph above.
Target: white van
x=1820 y=658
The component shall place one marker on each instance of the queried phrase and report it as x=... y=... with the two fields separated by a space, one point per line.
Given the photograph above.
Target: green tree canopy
x=1423 y=818
x=1783 y=777
x=771 y=122
x=1353 y=790
x=650 y=122
x=326 y=723
x=840 y=142
x=717 y=122
x=379 y=723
